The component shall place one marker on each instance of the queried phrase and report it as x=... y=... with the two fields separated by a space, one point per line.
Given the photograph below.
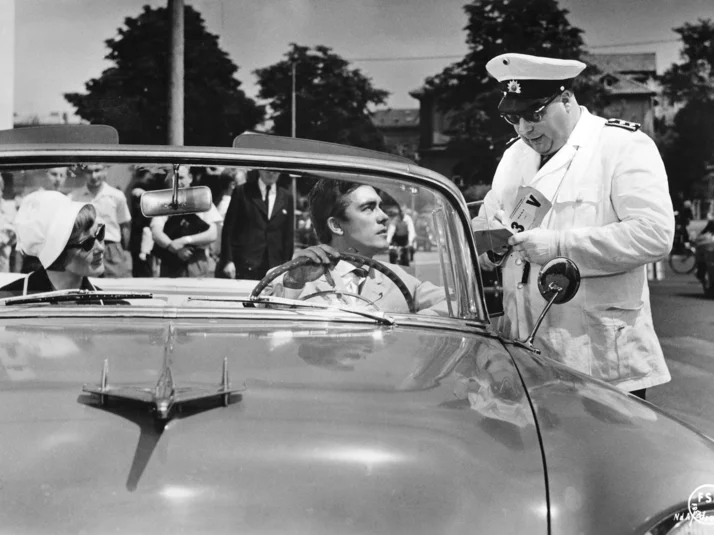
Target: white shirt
x=391 y=229
x=271 y=195
x=111 y=207
x=223 y=205
x=210 y=216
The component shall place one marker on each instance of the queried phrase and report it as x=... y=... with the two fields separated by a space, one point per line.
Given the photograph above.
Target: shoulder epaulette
x=512 y=141
x=627 y=125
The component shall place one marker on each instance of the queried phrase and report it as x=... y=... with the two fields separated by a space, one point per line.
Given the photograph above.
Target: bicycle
x=683 y=257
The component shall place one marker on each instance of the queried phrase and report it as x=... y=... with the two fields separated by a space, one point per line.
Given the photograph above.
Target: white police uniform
x=613 y=213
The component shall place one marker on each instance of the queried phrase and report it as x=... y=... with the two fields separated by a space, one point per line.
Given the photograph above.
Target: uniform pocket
x=617 y=353
x=578 y=208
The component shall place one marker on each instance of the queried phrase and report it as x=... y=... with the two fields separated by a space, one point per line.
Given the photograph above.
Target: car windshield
x=405 y=231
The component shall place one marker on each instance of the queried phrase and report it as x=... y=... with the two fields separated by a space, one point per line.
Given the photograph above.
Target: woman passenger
x=65 y=236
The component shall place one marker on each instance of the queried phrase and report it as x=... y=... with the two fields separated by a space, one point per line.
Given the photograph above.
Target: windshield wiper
x=378 y=316
x=58 y=296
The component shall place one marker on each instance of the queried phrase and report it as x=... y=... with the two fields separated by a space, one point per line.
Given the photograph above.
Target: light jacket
x=612 y=208
x=377 y=288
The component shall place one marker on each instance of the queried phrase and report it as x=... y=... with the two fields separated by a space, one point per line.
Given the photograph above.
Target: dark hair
x=225 y=181
x=83 y=223
x=327 y=199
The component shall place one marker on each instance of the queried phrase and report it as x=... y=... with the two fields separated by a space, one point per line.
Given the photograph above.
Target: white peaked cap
x=524 y=67
x=529 y=81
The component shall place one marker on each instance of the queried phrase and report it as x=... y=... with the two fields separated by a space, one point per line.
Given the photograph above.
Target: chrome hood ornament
x=165 y=396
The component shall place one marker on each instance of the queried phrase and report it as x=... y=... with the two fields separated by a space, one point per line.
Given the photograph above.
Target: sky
x=60 y=43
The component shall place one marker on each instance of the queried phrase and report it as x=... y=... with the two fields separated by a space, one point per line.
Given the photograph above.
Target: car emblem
x=513 y=87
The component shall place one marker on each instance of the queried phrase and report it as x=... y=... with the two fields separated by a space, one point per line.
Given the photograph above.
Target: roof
x=624 y=63
x=396 y=118
x=617 y=84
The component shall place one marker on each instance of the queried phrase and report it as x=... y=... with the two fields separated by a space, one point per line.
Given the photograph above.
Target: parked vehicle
x=192 y=405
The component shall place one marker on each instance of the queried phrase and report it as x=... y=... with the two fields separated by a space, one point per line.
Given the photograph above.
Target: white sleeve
x=641 y=200
x=211 y=216
x=411 y=229
x=147 y=240
x=390 y=231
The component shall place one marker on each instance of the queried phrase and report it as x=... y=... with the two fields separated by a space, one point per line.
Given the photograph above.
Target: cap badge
x=513 y=87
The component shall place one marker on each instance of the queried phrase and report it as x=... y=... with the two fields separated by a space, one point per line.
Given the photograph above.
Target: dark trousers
x=245 y=272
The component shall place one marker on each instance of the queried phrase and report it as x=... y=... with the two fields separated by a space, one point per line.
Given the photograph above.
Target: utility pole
x=176 y=73
x=293 y=129
x=7 y=63
x=293 y=112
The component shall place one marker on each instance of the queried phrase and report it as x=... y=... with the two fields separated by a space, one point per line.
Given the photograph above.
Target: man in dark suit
x=258 y=229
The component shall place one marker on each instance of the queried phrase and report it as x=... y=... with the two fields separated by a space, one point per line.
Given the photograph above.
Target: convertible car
x=211 y=405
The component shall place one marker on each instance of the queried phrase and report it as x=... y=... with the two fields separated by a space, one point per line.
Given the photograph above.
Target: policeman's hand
x=229 y=270
x=537 y=245
x=323 y=257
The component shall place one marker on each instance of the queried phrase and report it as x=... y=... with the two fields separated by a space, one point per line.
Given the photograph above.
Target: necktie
x=267 y=197
x=358 y=276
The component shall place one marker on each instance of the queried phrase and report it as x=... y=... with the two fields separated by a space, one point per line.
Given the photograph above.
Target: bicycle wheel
x=683 y=262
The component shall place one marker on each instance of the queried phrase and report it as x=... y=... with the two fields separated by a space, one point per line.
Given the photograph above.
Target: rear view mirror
x=182 y=201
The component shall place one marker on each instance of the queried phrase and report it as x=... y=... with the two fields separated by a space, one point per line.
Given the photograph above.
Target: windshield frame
x=19 y=156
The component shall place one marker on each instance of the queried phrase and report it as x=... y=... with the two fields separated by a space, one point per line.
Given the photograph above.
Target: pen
x=526 y=272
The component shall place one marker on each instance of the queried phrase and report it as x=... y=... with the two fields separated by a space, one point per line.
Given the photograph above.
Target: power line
x=656 y=42
x=406 y=58
x=452 y=56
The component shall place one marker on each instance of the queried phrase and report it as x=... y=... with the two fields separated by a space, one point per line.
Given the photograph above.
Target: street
x=684 y=321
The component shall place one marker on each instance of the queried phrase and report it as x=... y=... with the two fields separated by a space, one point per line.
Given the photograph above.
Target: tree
x=132 y=94
x=689 y=148
x=332 y=100
x=465 y=89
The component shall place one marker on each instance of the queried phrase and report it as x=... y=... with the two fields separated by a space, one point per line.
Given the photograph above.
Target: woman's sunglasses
x=88 y=244
x=534 y=116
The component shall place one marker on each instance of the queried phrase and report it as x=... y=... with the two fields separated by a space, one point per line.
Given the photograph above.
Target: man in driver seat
x=347 y=217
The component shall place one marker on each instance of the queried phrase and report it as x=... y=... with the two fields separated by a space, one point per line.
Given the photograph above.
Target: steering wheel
x=350 y=257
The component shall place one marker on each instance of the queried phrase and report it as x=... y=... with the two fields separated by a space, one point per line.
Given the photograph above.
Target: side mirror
x=176 y=202
x=558 y=282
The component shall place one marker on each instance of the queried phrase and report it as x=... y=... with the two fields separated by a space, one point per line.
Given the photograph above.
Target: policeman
x=611 y=214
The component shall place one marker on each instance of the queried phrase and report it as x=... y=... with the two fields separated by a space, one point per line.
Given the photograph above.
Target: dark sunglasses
x=533 y=116
x=88 y=244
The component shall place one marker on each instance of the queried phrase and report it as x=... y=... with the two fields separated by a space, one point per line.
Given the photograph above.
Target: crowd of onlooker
x=130 y=248
x=260 y=231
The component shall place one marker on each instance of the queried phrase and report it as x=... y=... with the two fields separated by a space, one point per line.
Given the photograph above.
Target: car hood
x=614 y=462
x=347 y=429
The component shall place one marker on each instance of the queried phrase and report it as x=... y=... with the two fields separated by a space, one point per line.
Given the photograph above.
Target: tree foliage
x=537 y=27
x=689 y=148
x=332 y=100
x=132 y=95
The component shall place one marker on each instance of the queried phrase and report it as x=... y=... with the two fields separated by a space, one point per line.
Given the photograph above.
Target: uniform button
x=518 y=261
x=520 y=285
